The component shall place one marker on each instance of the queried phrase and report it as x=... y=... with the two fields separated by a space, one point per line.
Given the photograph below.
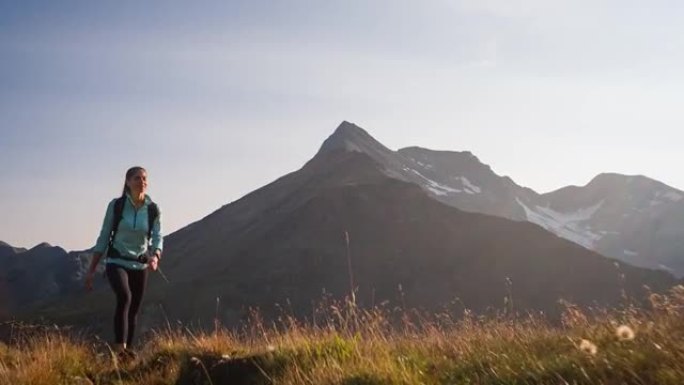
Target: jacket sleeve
x=103 y=239
x=157 y=237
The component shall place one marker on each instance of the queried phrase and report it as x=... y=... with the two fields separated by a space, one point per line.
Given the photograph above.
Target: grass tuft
x=351 y=346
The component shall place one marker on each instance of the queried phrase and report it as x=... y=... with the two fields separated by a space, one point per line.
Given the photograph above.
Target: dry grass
x=350 y=346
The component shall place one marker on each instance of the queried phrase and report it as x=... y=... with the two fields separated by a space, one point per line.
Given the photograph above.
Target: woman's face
x=138 y=182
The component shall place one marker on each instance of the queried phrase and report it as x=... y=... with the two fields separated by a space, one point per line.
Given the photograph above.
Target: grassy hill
x=345 y=345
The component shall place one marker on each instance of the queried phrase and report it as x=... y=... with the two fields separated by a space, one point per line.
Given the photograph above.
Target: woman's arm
x=105 y=231
x=157 y=237
x=93 y=263
x=101 y=245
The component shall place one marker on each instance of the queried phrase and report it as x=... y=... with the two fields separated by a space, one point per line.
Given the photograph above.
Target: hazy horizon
x=219 y=99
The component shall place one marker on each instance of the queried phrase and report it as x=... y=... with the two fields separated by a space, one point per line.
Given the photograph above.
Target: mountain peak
x=348 y=128
x=5 y=246
x=613 y=176
x=615 y=180
x=41 y=245
x=350 y=137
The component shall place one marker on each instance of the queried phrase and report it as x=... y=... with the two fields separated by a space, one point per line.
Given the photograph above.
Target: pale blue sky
x=219 y=98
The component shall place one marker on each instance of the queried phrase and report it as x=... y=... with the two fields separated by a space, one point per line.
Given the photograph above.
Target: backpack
x=152 y=214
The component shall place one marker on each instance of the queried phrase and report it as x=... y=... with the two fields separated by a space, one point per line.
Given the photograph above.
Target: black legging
x=129 y=286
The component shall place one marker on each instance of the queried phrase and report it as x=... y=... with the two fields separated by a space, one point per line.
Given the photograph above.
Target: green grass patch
x=363 y=348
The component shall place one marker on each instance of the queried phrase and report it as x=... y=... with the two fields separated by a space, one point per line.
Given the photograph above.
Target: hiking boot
x=126 y=355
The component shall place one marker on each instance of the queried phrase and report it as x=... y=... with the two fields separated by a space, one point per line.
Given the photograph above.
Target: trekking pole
x=162 y=275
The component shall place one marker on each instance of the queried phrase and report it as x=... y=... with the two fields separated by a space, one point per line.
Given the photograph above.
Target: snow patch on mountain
x=630 y=253
x=437 y=188
x=469 y=187
x=673 y=196
x=424 y=165
x=565 y=225
x=351 y=146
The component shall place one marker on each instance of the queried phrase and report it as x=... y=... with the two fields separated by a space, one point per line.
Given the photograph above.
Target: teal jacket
x=131 y=236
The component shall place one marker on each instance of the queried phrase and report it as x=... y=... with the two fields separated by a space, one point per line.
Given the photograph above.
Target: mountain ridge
x=284 y=243
x=633 y=218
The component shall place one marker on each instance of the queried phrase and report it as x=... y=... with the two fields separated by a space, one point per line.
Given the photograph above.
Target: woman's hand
x=91 y=271
x=154 y=263
x=89 y=281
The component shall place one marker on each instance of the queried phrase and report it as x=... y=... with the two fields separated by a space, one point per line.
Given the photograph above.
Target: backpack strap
x=118 y=214
x=152 y=214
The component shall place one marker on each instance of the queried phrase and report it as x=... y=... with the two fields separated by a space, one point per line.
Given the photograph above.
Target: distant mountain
x=6 y=249
x=42 y=273
x=632 y=218
x=285 y=244
x=285 y=241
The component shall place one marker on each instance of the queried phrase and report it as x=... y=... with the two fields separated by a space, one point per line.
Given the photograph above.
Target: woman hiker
x=131 y=241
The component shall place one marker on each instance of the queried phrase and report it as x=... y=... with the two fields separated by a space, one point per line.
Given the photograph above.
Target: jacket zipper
x=135 y=215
